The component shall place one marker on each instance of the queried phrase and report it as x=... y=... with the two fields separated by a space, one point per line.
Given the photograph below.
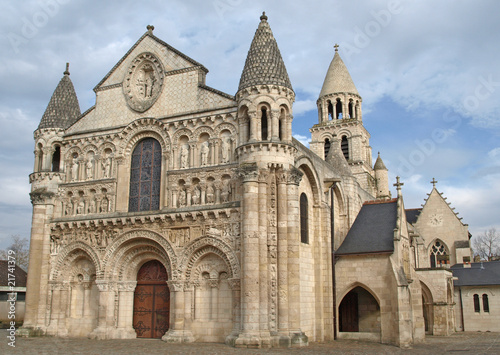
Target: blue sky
x=427 y=71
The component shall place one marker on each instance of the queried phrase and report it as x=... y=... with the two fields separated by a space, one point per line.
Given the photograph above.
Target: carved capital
x=41 y=196
x=104 y=285
x=213 y=283
x=263 y=175
x=127 y=286
x=175 y=285
x=248 y=172
x=295 y=176
x=235 y=284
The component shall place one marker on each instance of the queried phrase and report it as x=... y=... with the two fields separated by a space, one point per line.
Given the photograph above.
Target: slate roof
x=20 y=275
x=264 y=64
x=63 y=108
x=412 y=215
x=373 y=229
x=338 y=78
x=479 y=274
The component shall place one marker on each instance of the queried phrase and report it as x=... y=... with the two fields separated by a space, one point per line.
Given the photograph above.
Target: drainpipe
x=332 y=236
x=461 y=308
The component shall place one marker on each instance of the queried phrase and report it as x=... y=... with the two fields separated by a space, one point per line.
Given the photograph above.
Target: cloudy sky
x=427 y=70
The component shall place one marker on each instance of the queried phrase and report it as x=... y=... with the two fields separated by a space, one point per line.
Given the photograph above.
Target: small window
x=304 y=219
x=486 y=304
x=263 y=124
x=476 y=303
x=344 y=145
x=56 y=159
x=330 y=110
x=338 y=108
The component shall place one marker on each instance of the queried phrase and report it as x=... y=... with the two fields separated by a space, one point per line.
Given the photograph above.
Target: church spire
x=63 y=108
x=338 y=79
x=264 y=64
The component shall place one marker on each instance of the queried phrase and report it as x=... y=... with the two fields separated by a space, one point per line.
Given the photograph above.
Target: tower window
x=56 y=159
x=477 y=309
x=486 y=304
x=330 y=110
x=351 y=110
x=338 y=108
x=263 y=124
x=439 y=255
x=145 y=175
x=304 y=219
x=327 y=147
x=344 y=146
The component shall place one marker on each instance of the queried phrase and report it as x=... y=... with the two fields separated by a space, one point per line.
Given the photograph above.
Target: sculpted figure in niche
x=225 y=191
x=92 y=206
x=196 y=196
x=204 y=153
x=69 y=208
x=74 y=170
x=225 y=150
x=210 y=193
x=104 y=204
x=81 y=207
x=89 y=169
x=184 y=156
x=182 y=197
x=145 y=81
x=106 y=168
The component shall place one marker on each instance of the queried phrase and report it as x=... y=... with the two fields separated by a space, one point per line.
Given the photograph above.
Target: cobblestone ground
x=459 y=343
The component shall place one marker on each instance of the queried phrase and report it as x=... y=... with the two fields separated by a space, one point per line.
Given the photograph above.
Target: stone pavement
x=459 y=343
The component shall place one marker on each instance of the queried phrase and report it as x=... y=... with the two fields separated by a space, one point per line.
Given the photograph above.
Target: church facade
x=172 y=210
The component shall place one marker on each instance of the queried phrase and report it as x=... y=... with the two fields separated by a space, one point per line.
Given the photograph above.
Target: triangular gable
x=434 y=208
x=188 y=62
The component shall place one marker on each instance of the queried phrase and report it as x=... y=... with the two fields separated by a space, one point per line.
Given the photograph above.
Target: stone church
x=172 y=210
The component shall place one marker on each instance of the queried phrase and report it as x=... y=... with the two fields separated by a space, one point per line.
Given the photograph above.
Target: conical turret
x=338 y=79
x=63 y=108
x=264 y=64
x=382 y=179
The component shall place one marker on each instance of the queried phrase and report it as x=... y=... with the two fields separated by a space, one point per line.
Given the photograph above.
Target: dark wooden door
x=151 y=301
x=348 y=313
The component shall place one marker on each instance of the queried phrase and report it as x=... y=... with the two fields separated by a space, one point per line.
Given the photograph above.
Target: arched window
x=263 y=124
x=439 y=255
x=338 y=108
x=476 y=303
x=56 y=159
x=327 y=147
x=351 y=109
x=304 y=219
x=145 y=175
x=344 y=146
x=330 y=110
x=486 y=304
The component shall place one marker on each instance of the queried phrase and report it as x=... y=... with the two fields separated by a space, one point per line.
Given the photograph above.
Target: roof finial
x=66 y=72
x=150 y=29
x=398 y=185
x=433 y=182
x=263 y=17
x=336 y=46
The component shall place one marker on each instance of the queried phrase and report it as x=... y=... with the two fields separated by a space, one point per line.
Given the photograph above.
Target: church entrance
x=348 y=313
x=151 y=301
x=359 y=311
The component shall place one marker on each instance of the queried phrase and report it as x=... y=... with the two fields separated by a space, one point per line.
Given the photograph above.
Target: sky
x=428 y=73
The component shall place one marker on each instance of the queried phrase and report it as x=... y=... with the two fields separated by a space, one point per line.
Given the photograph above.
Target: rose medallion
x=143 y=82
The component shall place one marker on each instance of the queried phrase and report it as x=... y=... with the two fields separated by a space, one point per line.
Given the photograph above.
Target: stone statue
x=81 y=207
x=89 y=169
x=210 y=193
x=106 y=168
x=225 y=191
x=74 y=170
x=182 y=197
x=184 y=156
x=204 y=153
x=104 y=204
x=196 y=196
x=225 y=150
x=92 y=206
x=69 y=208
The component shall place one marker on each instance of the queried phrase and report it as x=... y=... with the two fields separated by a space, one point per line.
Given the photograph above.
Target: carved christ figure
x=225 y=150
x=204 y=153
x=74 y=170
x=184 y=156
x=106 y=167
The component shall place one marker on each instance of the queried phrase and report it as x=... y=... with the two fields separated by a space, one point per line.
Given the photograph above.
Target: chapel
x=173 y=210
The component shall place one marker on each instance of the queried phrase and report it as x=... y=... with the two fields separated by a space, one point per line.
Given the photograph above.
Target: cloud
x=302 y=139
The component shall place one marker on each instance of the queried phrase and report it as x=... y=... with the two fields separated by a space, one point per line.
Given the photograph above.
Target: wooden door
x=348 y=313
x=151 y=301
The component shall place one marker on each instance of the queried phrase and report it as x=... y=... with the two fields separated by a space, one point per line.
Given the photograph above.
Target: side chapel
x=172 y=210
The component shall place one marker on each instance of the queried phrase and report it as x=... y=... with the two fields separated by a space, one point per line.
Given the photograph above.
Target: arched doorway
x=428 y=309
x=359 y=311
x=151 y=301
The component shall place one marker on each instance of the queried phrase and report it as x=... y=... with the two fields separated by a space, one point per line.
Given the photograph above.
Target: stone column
x=258 y=126
x=236 y=288
x=126 y=310
x=282 y=219
x=274 y=126
x=214 y=298
x=297 y=337
x=63 y=309
x=105 y=321
x=86 y=306
x=253 y=126
x=216 y=153
x=188 y=305
x=176 y=332
x=250 y=313
x=55 y=295
x=264 y=261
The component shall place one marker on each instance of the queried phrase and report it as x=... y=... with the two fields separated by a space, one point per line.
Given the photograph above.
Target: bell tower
x=340 y=121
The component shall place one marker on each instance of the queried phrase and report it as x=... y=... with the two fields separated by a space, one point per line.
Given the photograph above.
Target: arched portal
x=428 y=309
x=151 y=301
x=359 y=311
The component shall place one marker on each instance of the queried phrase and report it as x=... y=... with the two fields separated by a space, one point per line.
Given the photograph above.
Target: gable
x=151 y=80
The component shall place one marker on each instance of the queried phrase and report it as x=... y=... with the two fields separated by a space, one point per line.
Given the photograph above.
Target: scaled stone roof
x=373 y=230
x=336 y=158
x=63 y=108
x=338 y=78
x=264 y=64
x=379 y=164
x=19 y=274
x=479 y=274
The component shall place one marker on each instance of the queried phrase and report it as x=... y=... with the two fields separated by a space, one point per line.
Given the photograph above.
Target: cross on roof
x=66 y=72
x=433 y=182
x=336 y=46
x=398 y=184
